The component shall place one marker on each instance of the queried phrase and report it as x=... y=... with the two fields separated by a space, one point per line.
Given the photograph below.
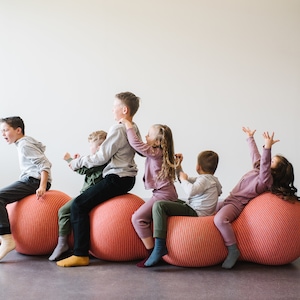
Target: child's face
x=119 y=109
x=151 y=137
x=10 y=134
x=94 y=147
x=274 y=162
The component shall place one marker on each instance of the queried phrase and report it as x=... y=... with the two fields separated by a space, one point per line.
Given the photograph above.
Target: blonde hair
x=97 y=137
x=165 y=137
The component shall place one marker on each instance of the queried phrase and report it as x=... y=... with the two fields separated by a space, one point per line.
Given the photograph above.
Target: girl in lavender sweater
x=268 y=174
x=159 y=176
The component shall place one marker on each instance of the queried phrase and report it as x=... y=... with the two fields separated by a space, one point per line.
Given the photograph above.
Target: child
x=202 y=191
x=92 y=176
x=35 y=177
x=159 y=176
x=274 y=174
x=118 y=177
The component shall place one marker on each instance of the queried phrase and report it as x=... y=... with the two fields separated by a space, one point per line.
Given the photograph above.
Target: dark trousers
x=12 y=193
x=110 y=186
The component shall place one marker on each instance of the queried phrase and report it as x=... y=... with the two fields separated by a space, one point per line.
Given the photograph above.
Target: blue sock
x=160 y=249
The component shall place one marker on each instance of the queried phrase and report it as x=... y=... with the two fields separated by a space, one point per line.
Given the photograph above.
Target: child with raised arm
x=268 y=174
x=35 y=177
x=202 y=191
x=159 y=176
x=118 y=177
x=92 y=176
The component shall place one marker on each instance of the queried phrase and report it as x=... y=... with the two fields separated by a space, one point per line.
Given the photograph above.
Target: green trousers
x=64 y=222
x=161 y=210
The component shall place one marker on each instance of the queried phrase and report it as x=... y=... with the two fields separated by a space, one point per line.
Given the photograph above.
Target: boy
x=92 y=176
x=118 y=177
x=35 y=177
x=202 y=191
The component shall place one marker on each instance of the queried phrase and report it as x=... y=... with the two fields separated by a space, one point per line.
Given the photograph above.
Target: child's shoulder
x=28 y=140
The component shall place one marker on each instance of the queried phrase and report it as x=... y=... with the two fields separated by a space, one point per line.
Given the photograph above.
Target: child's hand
x=76 y=155
x=248 y=131
x=67 y=156
x=126 y=122
x=40 y=192
x=269 y=141
x=178 y=158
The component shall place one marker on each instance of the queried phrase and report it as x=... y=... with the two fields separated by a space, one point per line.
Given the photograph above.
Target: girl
x=275 y=175
x=159 y=176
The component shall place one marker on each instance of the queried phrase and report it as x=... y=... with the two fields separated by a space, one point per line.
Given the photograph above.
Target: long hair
x=283 y=180
x=165 y=138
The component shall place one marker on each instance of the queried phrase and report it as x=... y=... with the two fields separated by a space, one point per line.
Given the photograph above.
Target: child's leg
x=64 y=222
x=227 y=214
x=64 y=229
x=142 y=218
x=141 y=221
x=12 y=193
x=111 y=186
x=161 y=211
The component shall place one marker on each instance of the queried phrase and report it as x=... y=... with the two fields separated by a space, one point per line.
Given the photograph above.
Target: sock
x=141 y=263
x=62 y=246
x=74 y=261
x=7 y=244
x=158 y=252
x=232 y=257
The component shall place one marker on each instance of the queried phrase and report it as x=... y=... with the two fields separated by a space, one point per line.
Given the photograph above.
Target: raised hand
x=248 y=131
x=269 y=140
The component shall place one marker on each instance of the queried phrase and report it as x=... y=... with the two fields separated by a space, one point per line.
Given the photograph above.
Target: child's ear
x=19 y=130
x=198 y=168
x=125 y=110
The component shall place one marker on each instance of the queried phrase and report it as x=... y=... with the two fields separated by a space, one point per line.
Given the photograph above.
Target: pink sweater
x=256 y=181
x=153 y=161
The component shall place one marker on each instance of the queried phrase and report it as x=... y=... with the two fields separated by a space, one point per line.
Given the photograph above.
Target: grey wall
x=205 y=68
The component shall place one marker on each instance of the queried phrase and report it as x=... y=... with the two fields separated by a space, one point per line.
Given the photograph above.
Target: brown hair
x=130 y=100
x=208 y=160
x=165 y=138
x=97 y=137
x=14 y=122
x=283 y=180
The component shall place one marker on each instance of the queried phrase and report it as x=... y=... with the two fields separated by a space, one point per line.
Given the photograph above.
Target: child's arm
x=254 y=153
x=265 y=176
x=67 y=157
x=178 y=160
x=43 y=185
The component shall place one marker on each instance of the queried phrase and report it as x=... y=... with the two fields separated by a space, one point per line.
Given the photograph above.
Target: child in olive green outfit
x=92 y=176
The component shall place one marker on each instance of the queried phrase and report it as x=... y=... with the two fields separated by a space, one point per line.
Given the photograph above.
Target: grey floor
x=34 y=277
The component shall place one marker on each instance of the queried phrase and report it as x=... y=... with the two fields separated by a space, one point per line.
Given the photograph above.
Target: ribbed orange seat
x=112 y=235
x=267 y=232
x=34 y=222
